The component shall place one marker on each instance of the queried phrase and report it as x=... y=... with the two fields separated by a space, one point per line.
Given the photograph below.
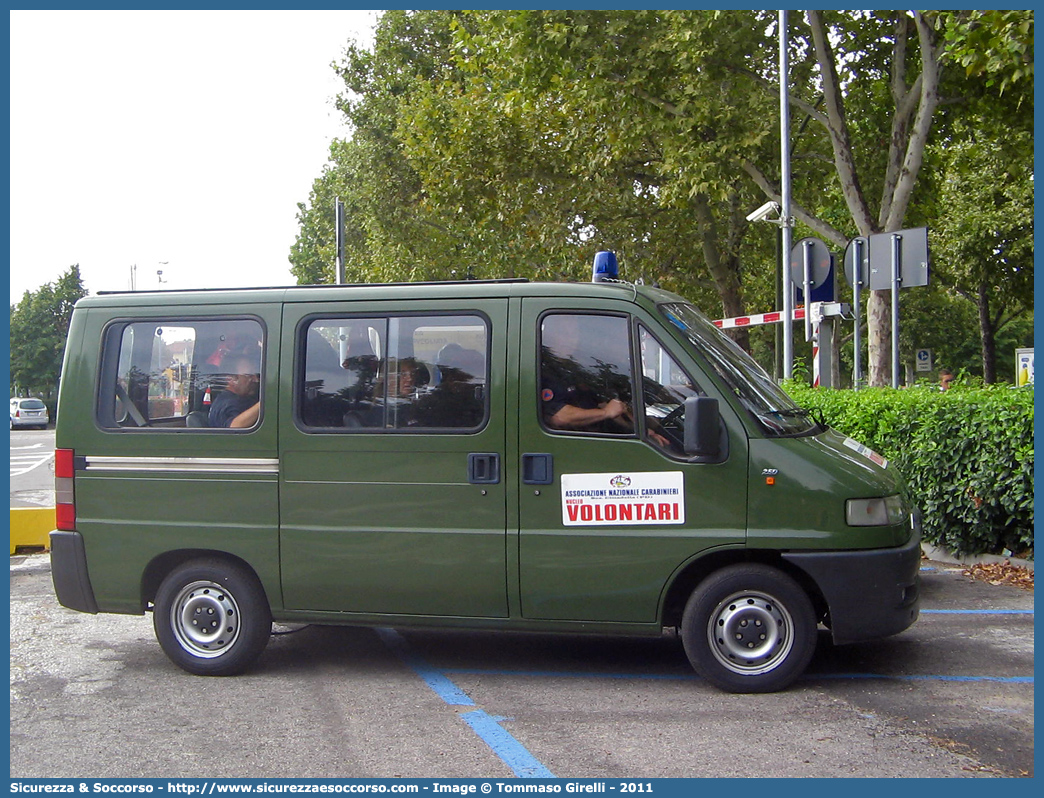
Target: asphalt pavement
x=32 y=467
x=93 y=696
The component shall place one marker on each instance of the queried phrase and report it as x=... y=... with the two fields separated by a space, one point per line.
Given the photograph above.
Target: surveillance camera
x=763 y=212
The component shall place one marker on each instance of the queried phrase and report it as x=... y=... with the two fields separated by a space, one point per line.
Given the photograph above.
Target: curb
x=31 y=526
x=940 y=554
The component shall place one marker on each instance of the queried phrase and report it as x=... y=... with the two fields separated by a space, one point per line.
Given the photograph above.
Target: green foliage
x=966 y=455
x=982 y=245
x=516 y=143
x=996 y=44
x=492 y=144
x=39 y=327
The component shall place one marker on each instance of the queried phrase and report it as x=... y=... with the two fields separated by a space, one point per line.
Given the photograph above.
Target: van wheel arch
x=693 y=573
x=158 y=569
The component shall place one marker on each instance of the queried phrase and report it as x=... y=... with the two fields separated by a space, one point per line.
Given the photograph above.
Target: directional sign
x=924 y=360
x=911 y=247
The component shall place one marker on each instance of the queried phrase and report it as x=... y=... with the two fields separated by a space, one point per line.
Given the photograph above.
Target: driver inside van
x=567 y=398
x=238 y=406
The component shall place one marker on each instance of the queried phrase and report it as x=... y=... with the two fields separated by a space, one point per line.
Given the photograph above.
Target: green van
x=501 y=454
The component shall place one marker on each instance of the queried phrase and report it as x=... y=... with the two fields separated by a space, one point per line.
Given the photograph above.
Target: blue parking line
x=509 y=750
x=436 y=680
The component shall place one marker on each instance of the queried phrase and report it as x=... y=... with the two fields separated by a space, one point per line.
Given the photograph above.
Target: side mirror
x=702 y=422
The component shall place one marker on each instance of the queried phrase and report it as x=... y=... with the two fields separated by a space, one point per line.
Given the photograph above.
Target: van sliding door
x=392 y=489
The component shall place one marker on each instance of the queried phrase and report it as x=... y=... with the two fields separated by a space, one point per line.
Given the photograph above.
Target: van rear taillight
x=64 y=504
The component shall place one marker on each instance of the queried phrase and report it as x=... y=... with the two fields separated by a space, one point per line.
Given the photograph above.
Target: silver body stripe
x=211 y=465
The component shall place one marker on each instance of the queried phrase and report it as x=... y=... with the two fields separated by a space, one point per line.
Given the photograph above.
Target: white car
x=28 y=411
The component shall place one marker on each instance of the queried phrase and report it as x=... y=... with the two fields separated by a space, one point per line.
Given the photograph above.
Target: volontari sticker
x=624 y=498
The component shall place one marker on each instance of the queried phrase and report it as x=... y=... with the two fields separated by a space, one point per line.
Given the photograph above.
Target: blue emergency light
x=605 y=267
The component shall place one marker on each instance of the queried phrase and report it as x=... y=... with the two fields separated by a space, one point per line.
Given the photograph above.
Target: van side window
x=396 y=373
x=585 y=374
x=665 y=386
x=177 y=374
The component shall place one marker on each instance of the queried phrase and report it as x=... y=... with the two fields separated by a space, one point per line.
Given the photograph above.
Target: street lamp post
x=785 y=222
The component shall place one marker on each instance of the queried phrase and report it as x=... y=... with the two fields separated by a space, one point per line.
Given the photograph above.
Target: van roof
x=374 y=291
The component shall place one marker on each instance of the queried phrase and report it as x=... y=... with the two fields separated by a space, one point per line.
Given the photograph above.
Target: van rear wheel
x=749 y=628
x=212 y=617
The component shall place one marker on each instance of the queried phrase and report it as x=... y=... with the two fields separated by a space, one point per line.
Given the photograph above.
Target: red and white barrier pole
x=775 y=317
x=821 y=347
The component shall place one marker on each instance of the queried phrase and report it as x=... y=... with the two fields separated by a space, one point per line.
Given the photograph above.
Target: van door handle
x=538 y=469
x=483 y=469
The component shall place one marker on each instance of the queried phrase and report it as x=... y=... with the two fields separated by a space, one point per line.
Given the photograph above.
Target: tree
x=39 y=328
x=984 y=245
x=586 y=122
x=688 y=96
x=980 y=179
x=455 y=159
x=392 y=234
x=874 y=99
x=516 y=143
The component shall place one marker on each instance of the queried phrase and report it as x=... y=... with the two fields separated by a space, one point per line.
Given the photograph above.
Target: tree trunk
x=724 y=271
x=914 y=104
x=879 y=338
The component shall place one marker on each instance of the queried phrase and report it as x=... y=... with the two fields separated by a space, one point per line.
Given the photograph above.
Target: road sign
x=819 y=259
x=911 y=249
x=923 y=360
x=811 y=266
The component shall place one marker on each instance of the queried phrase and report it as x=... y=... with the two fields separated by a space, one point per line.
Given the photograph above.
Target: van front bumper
x=869 y=594
x=72 y=583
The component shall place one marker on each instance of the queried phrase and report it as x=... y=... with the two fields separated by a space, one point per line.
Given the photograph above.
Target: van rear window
x=394 y=373
x=182 y=374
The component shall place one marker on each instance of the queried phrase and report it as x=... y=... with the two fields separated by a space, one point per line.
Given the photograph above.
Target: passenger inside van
x=458 y=400
x=238 y=406
x=361 y=363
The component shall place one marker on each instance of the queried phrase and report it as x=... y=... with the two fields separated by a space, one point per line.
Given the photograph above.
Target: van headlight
x=887 y=511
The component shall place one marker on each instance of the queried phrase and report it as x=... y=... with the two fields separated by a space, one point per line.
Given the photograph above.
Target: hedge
x=966 y=455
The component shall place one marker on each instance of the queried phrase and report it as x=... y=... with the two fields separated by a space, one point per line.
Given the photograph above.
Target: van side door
x=610 y=506
x=155 y=476
x=392 y=491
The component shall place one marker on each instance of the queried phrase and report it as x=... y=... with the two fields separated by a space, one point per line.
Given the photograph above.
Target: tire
x=190 y=601
x=749 y=628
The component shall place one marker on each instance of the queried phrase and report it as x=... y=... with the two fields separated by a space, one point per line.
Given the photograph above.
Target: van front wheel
x=749 y=628
x=212 y=617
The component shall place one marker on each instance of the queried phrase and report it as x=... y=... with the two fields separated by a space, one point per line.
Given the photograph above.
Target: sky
x=172 y=141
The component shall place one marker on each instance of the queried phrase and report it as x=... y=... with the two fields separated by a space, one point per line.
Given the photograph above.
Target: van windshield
x=773 y=409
